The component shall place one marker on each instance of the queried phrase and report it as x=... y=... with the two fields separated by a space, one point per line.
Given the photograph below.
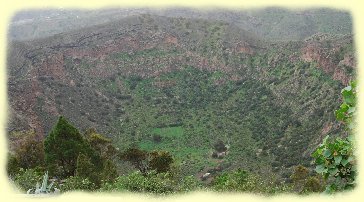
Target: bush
x=109 y=172
x=313 y=184
x=335 y=161
x=144 y=161
x=220 y=146
x=242 y=181
x=77 y=184
x=27 y=179
x=299 y=177
x=84 y=166
x=189 y=183
x=137 y=182
x=303 y=183
x=100 y=144
x=13 y=165
x=238 y=180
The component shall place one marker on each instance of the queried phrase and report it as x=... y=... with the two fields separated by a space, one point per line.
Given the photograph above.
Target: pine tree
x=62 y=147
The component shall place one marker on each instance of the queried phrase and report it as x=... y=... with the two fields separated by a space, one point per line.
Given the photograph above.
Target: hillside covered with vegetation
x=172 y=104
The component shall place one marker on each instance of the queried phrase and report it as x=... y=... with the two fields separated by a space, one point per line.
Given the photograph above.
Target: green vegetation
x=156 y=174
x=29 y=152
x=182 y=104
x=304 y=183
x=75 y=183
x=26 y=179
x=335 y=159
x=242 y=181
x=144 y=161
x=84 y=162
x=173 y=132
x=63 y=146
x=152 y=183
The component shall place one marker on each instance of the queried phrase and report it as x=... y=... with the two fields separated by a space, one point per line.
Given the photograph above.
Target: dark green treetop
x=62 y=147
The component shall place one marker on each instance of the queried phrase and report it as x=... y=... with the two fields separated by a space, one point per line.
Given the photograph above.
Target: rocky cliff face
x=335 y=59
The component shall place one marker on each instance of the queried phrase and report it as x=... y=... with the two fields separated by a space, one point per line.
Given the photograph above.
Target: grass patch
x=169 y=131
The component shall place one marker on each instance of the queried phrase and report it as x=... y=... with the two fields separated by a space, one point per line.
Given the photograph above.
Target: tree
x=100 y=144
x=220 y=146
x=62 y=147
x=28 y=150
x=160 y=161
x=138 y=158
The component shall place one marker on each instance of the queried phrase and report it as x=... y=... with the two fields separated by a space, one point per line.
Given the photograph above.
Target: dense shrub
x=109 y=172
x=26 y=179
x=13 y=165
x=189 y=183
x=220 y=146
x=100 y=144
x=86 y=169
x=154 y=183
x=242 y=181
x=238 y=181
x=77 y=184
x=304 y=183
x=299 y=177
x=313 y=184
x=138 y=182
x=138 y=158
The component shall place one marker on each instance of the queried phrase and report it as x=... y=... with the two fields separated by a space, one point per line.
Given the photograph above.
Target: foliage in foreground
x=27 y=179
x=335 y=159
x=152 y=182
x=242 y=181
x=76 y=183
x=304 y=183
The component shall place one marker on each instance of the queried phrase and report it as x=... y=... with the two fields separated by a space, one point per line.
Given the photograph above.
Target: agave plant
x=43 y=189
